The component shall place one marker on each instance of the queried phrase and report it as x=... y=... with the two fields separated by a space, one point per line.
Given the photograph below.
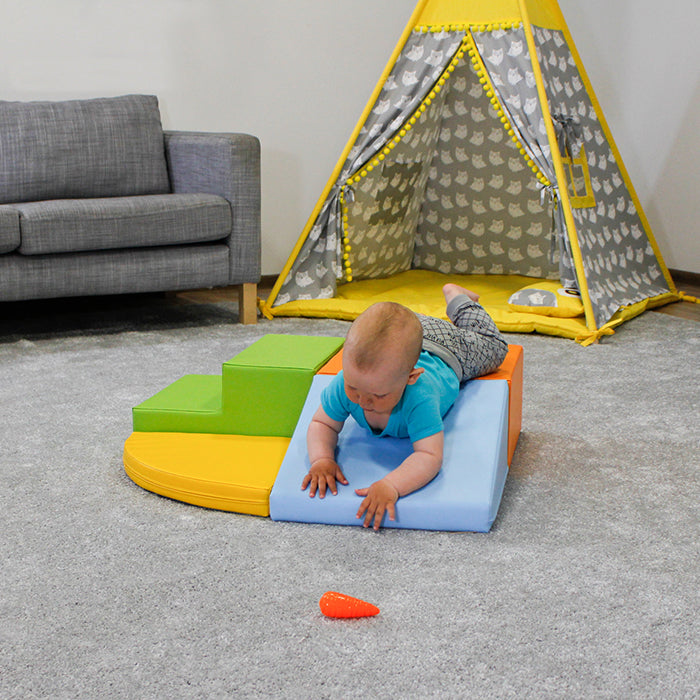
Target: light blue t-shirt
x=419 y=412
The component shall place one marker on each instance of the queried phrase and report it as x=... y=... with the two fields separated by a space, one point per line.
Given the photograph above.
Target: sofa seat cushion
x=73 y=225
x=129 y=271
x=9 y=229
x=106 y=147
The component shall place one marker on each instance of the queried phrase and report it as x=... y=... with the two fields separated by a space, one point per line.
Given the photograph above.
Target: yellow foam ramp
x=226 y=472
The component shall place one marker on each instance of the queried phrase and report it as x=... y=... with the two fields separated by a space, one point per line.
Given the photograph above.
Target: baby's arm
x=418 y=469
x=321 y=441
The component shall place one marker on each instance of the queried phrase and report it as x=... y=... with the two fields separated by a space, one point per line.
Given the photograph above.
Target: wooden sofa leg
x=248 y=303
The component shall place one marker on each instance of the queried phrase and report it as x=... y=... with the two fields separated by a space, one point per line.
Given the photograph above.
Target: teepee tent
x=482 y=158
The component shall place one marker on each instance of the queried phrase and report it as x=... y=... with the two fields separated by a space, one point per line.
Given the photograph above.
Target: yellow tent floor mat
x=225 y=472
x=421 y=291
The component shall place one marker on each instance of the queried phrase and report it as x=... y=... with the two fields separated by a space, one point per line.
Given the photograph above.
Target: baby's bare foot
x=450 y=291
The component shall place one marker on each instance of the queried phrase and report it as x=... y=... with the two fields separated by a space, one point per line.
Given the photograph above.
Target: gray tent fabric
x=620 y=264
x=482 y=212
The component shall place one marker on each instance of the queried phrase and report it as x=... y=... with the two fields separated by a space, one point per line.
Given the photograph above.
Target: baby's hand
x=380 y=497
x=322 y=475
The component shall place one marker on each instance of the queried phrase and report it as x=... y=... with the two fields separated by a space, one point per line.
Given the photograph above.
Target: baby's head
x=380 y=355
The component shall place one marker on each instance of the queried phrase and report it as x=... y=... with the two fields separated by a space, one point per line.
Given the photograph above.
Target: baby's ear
x=414 y=374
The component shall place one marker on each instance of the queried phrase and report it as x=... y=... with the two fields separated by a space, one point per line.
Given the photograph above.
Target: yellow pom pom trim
x=491 y=27
x=491 y=93
x=346 y=247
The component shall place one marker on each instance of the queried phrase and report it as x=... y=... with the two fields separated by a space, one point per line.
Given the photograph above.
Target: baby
x=401 y=374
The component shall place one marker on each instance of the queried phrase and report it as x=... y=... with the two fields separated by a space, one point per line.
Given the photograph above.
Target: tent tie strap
x=688 y=297
x=264 y=310
x=549 y=192
x=586 y=339
x=569 y=135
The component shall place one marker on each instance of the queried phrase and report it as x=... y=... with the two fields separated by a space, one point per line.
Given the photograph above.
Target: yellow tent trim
x=445 y=13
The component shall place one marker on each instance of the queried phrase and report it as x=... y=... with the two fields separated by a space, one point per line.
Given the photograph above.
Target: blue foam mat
x=464 y=496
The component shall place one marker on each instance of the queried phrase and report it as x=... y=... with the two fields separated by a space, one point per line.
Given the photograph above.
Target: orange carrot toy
x=334 y=604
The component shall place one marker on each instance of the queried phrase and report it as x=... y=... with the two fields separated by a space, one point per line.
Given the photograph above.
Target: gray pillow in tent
x=546 y=298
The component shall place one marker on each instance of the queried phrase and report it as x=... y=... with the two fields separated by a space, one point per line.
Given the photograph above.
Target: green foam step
x=192 y=404
x=261 y=391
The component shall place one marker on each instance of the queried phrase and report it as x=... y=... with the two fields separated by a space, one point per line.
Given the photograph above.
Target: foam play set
x=482 y=158
x=237 y=441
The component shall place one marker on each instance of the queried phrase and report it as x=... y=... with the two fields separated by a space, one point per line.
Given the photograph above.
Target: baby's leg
x=483 y=348
x=450 y=291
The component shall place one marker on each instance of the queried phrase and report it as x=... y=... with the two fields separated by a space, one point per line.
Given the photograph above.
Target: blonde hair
x=385 y=330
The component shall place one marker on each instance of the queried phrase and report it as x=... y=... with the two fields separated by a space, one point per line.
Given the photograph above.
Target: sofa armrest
x=227 y=165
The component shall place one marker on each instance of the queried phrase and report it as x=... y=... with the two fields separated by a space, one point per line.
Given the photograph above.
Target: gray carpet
x=586 y=587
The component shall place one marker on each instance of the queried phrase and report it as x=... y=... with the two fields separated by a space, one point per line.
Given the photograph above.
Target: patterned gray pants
x=473 y=346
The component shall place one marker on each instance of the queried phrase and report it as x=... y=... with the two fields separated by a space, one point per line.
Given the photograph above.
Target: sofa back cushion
x=105 y=147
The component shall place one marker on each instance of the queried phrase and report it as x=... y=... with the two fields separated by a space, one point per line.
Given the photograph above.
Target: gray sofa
x=96 y=199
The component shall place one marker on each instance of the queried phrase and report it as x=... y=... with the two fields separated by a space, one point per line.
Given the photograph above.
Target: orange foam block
x=511 y=370
x=334 y=604
x=334 y=365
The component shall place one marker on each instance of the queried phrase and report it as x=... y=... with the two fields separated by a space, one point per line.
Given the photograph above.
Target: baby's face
x=376 y=390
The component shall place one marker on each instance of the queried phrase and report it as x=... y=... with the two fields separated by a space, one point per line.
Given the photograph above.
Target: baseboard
x=685 y=277
x=268 y=280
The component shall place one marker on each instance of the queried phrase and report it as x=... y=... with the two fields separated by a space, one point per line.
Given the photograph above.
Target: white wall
x=644 y=63
x=298 y=74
